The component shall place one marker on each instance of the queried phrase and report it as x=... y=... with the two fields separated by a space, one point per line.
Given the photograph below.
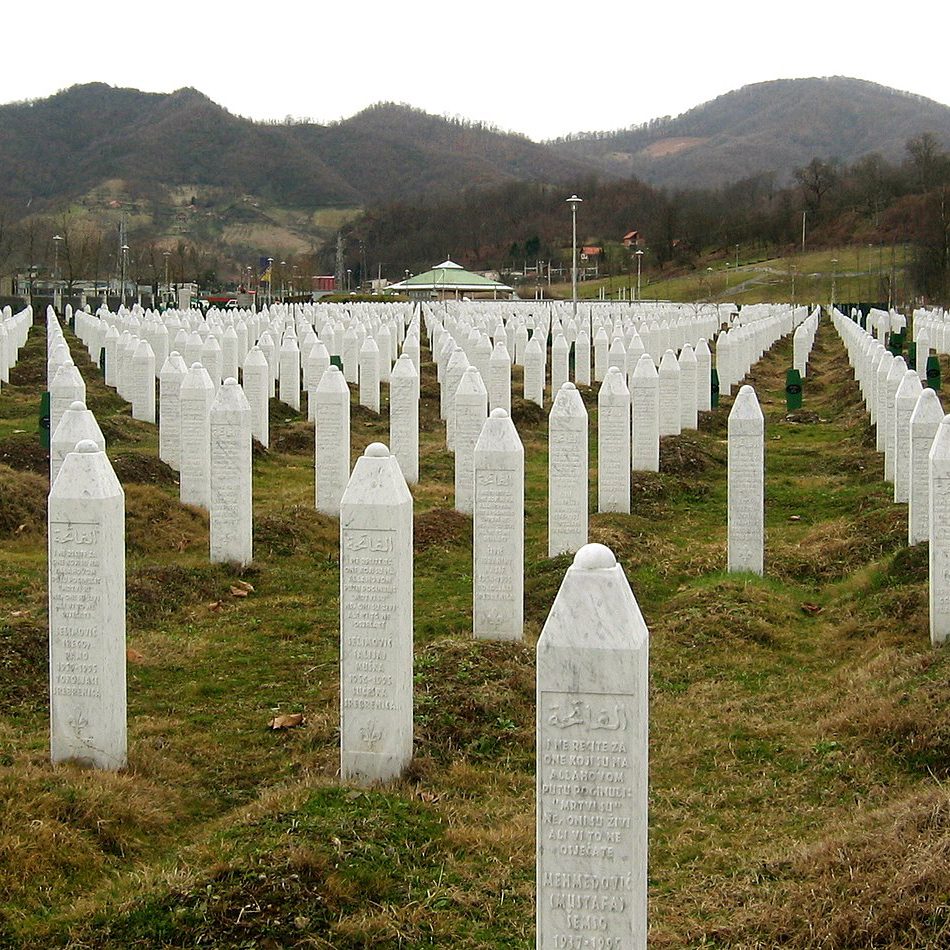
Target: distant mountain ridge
x=771 y=127
x=56 y=151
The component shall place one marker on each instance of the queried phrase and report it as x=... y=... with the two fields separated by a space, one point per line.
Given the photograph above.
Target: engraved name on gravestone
x=404 y=416
x=940 y=534
x=331 y=441
x=231 y=504
x=376 y=631
x=87 y=611
x=746 y=483
x=498 y=556
x=613 y=443
x=567 y=472
x=924 y=422
x=592 y=757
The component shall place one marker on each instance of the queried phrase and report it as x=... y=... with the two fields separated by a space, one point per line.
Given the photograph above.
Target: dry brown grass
x=22 y=503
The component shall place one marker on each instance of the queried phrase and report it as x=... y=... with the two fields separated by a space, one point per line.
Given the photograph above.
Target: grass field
x=800 y=746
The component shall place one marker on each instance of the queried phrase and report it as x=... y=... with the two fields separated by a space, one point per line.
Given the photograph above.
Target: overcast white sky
x=529 y=68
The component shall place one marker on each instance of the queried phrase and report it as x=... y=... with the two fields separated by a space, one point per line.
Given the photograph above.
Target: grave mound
x=295 y=438
x=297 y=530
x=24 y=660
x=687 y=455
x=156 y=523
x=147 y=469
x=440 y=526
x=23 y=452
x=22 y=502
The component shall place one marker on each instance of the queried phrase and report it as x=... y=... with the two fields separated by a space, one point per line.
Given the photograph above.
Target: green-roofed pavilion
x=449 y=279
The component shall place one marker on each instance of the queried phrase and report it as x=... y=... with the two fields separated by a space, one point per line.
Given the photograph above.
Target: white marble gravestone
x=613 y=443
x=924 y=422
x=404 y=417
x=560 y=369
x=568 y=472
x=905 y=401
x=669 y=384
x=689 y=376
x=940 y=534
x=499 y=378
x=376 y=631
x=592 y=761
x=582 y=358
x=331 y=441
x=75 y=424
x=645 y=416
x=471 y=410
x=255 y=375
x=87 y=612
x=169 y=409
x=746 y=483
x=498 y=556
x=66 y=387
x=369 y=374
x=231 y=505
x=534 y=370
x=196 y=396
x=289 y=358
x=142 y=382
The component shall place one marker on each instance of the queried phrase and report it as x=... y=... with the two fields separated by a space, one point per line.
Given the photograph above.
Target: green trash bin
x=912 y=356
x=337 y=361
x=793 y=390
x=44 y=421
x=933 y=372
x=714 y=389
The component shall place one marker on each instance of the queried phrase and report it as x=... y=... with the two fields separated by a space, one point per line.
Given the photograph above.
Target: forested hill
x=56 y=149
x=773 y=127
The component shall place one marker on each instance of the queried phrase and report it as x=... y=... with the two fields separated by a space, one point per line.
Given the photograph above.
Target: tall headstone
x=905 y=401
x=498 y=558
x=404 y=417
x=142 y=379
x=613 y=443
x=289 y=358
x=231 y=505
x=196 y=396
x=255 y=373
x=87 y=612
x=534 y=371
x=66 y=387
x=582 y=358
x=568 y=472
x=689 y=375
x=376 y=627
x=645 y=416
x=169 y=409
x=499 y=378
x=560 y=370
x=369 y=374
x=669 y=383
x=746 y=483
x=924 y=422
x=76 y=424
x=331 y=441
x=592 y=761
x=471 y=410
x=940 y=534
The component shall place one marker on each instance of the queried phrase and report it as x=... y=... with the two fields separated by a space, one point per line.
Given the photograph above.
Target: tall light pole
x=270 y=280
x=125 y=260
x=56 y=239
x=639 y=254
x=574 y=201
x=803 y=229
x=168 y=288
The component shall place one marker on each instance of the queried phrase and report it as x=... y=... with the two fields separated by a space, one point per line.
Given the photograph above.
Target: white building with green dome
x=451 y=280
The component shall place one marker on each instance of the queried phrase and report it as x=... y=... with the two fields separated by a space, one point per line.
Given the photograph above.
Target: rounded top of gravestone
x=78 y=406
x=230 y=381
x=568 y=385
x=197 y=365
x=376 y=450
x=499 y=413
x=87 y=446
x=595 y=557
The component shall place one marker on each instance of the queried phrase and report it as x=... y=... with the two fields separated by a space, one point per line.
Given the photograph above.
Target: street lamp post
x=834 y=280
x=639 y=254
x=168 y=288
x=125 y=261
x=574 y=201
x=56 y=239
x=270 y=280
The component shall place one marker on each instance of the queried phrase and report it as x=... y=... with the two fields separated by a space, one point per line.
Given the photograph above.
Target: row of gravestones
x=14 y=328
x=913 y=434
x=591 y=701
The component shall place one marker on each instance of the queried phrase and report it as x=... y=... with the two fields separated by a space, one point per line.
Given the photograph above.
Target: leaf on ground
x=133 y=656
x=216 y=605
x=287 y=721
x=238 y=592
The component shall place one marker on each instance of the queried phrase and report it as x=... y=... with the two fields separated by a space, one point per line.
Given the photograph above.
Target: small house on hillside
x=633 y=239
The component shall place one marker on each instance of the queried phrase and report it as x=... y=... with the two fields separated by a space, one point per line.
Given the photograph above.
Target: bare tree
x=817 y=178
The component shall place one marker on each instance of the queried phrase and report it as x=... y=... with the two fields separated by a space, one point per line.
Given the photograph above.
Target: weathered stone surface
x=331 y=441
x=613 y=443
x=376 y=626
x=592 y=722
x=231 y=501
x=498 y=558
x=87 y=612
x=568 y=472
x=746 y=479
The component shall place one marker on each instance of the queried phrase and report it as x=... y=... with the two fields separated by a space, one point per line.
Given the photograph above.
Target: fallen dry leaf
x=812 y=609
x=133 y=656
x=20 y=613
x=215 y=606
x=245 y=585
x=20 y=529
x=238 y=592
x=287 y=721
